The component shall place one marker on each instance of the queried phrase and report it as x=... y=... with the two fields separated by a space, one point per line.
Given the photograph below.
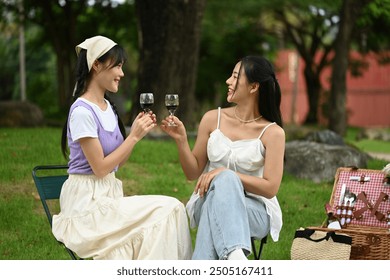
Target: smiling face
x=109 y=77
x=238 y=86
x=232 y=82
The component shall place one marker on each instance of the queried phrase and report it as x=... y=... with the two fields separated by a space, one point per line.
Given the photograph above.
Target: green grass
x=375 y=146
x=367 y=145
x=152 y=169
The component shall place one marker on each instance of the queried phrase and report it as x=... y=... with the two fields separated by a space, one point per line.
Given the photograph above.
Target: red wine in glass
x=171 y=102
x=146 y=101
x=146 y=106
x=172 y=109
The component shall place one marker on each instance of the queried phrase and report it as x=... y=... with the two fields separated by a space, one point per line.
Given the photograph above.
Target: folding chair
x=48 y=180
x=257 y=253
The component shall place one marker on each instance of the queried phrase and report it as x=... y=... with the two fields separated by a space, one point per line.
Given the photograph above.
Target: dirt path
x=381 y=156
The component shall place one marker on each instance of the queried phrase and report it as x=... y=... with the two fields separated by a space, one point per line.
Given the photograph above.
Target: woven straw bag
x=309 y=244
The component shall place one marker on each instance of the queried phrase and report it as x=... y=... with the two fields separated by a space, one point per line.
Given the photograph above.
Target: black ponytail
x=260 y=70
x=82 y=79
x=120 y=123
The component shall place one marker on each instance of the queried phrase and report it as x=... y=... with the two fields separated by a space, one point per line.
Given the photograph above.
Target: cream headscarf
x=96 y=47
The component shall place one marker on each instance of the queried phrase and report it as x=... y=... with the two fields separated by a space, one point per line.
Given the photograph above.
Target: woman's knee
x=227 y=178
x=227 y=174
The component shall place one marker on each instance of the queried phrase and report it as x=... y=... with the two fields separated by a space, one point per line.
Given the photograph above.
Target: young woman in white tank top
x=238 y=162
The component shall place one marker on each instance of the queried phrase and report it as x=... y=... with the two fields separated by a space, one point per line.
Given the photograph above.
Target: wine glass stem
x=171 y=122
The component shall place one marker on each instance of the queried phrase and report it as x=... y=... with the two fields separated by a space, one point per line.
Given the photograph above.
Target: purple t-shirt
x=78 y=163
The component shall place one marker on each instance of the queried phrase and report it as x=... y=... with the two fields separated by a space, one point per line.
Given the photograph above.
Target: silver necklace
x=245 y=121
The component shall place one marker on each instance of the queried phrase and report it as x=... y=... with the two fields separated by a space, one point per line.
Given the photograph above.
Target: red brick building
x=368 y=96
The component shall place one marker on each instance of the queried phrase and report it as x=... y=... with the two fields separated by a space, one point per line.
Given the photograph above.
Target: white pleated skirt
x=97 y=221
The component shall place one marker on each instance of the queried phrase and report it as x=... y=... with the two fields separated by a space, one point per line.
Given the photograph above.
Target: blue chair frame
x=49 y=185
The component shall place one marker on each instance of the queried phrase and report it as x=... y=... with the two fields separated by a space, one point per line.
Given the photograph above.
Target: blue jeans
x=227 y=218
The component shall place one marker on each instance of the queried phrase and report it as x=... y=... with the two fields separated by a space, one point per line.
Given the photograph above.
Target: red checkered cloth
x=372 y=188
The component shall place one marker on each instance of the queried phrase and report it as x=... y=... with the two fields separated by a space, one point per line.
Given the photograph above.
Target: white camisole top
x=245 y=156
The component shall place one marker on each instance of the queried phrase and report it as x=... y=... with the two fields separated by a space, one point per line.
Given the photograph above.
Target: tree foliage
x=229 y=30
x=313 y=28
x=372 y=29
x=8 y=52
x=310 y=27
x=58 y=26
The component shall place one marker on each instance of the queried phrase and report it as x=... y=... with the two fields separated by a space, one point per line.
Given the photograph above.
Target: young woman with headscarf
x=96 y=219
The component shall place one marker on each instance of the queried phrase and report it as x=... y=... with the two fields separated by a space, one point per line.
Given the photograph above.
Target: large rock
x=319 y=162
x=20 y=114
x=326 y=137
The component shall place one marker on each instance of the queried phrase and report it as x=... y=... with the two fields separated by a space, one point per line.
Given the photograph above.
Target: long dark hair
x=260 y=70
x=116 y=55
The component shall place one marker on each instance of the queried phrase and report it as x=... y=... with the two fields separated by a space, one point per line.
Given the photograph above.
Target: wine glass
x=146 y=101
x=171 y=102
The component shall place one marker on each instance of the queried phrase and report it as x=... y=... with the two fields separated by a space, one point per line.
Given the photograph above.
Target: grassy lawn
x=152 y=169
x=367 y=145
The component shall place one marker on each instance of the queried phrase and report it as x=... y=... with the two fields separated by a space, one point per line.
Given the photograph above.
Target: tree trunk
x=314 y=52
x=313 y=87
x=65 y=66
x=169 y=37
x=338 y=116
x=63 y=44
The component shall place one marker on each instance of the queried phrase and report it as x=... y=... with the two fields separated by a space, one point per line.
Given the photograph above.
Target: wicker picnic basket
x=367 y=221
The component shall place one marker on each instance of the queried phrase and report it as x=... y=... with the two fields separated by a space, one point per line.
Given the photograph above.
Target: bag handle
x=307 y=233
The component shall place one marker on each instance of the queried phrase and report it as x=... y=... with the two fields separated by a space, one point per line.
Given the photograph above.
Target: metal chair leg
x=257 y=254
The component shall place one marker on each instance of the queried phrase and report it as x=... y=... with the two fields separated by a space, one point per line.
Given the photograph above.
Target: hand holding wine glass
x=146 y=101
x=172 y=102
